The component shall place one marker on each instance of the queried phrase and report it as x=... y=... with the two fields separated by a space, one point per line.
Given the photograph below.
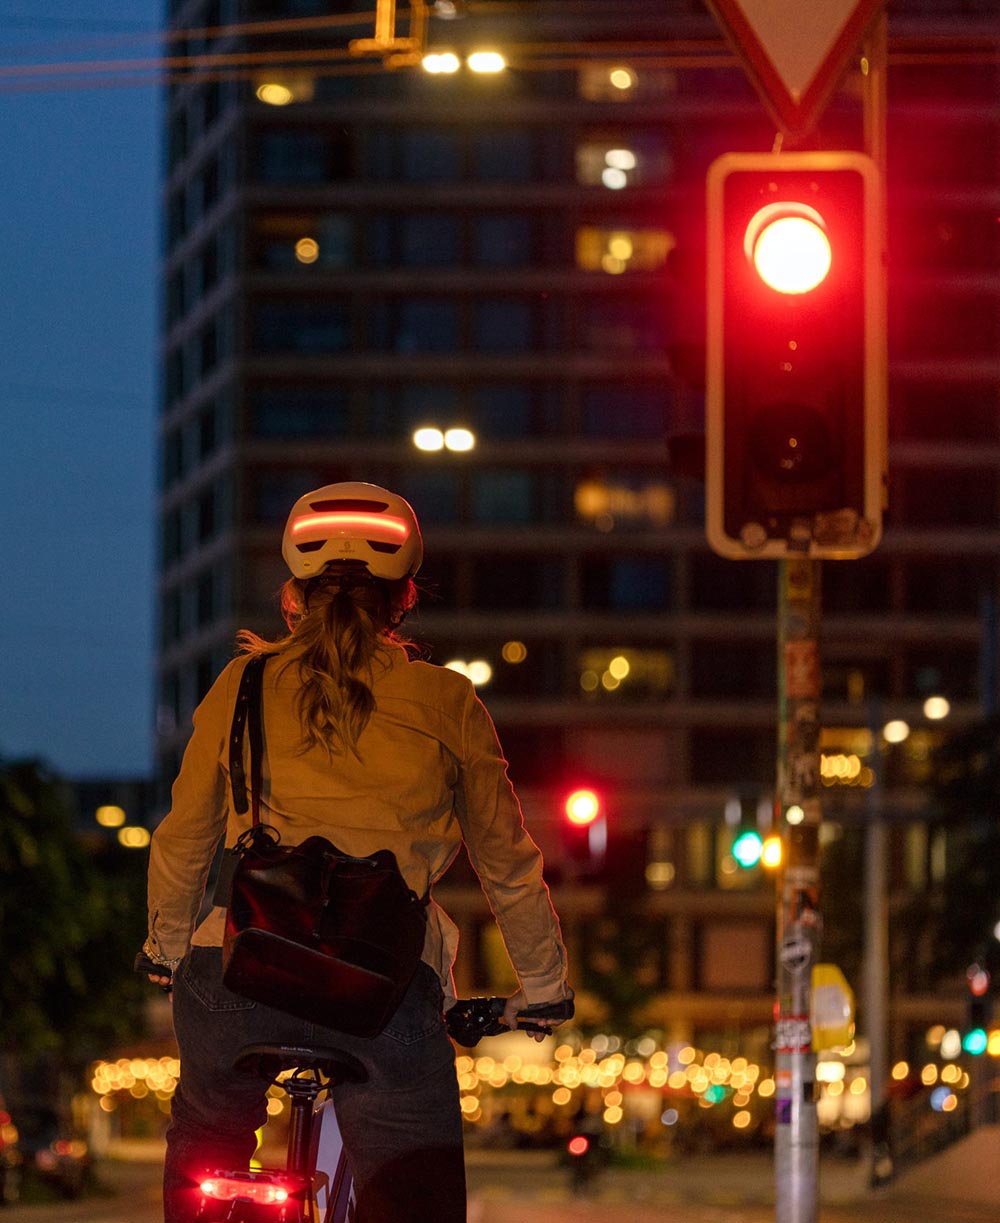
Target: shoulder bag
x=310 y=930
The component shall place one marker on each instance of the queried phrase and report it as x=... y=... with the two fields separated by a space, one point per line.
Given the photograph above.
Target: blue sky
x=79 y=241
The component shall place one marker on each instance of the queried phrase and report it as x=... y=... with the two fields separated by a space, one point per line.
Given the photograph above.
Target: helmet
x=352 y=522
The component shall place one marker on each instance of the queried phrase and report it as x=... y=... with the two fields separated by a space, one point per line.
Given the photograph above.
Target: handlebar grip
x=143 y=964
x=562 y=1010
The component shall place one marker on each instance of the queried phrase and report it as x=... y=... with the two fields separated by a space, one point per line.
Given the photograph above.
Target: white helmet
x=352 y=522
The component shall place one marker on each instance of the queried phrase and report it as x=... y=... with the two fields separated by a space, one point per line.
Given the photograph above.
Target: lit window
x=283 y=89
x=607 y=502
x=619 y=82
x=622 y=250
x=623 y=162
x=625 y=673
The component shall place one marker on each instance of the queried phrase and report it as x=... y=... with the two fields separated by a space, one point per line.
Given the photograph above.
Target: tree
x=70 y=922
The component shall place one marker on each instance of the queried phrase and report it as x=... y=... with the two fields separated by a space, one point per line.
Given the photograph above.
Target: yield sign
x=795 y=50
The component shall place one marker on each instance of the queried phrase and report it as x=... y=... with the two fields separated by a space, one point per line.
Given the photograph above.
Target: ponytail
x=337 y=624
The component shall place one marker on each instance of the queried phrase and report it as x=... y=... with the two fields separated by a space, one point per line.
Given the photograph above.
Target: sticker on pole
x=795 y=953
x=793 y=1034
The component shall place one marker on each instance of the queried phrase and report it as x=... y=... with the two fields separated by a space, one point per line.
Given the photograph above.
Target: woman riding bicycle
x=372 y=750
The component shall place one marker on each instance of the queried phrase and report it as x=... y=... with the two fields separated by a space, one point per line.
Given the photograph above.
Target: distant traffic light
x=795 y=400
x=979 y=1011
x=584 y=828
x=747 y=848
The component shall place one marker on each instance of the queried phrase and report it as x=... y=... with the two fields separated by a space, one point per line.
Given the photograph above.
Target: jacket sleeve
x=185 y=841
x=507 y=860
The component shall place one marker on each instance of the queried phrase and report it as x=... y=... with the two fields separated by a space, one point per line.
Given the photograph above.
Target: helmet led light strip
x=379 y=525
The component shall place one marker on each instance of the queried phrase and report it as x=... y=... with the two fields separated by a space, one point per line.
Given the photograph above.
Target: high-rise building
x=484 y=290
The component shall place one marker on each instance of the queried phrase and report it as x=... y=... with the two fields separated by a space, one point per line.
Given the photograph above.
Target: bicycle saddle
x=268 y=1061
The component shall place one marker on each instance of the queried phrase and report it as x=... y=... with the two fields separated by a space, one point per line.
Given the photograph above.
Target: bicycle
x=315 y=1185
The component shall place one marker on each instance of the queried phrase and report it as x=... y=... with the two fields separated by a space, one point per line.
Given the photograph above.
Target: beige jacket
x=431 y=775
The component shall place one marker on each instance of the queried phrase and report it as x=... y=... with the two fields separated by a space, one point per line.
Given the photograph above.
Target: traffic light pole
x=796 y=1144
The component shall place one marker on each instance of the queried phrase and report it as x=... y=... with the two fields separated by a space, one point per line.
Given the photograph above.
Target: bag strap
x=248 y=709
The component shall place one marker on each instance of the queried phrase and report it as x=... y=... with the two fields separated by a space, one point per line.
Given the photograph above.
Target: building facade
x=484 y=290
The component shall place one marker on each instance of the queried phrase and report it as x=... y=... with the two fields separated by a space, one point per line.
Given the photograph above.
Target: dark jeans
x=402 y=1129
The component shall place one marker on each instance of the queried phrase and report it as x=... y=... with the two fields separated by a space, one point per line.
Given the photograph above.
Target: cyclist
x=374 y=750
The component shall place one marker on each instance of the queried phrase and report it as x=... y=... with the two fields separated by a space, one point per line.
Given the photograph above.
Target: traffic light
x=747 y=848
x=979 y=1011
x=584 y=828
x=795 y=394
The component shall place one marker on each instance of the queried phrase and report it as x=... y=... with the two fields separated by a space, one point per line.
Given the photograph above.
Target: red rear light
x=228 y=1188
x=578 y=1145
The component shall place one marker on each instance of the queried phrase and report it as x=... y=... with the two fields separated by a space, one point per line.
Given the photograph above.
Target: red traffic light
x=578 y=1145
x=788 y=245
x=795 y=374
x=582 y=807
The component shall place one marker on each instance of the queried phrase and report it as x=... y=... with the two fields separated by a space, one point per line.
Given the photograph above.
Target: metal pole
x=875 y=992
x=796 y=1143
x=876 y=959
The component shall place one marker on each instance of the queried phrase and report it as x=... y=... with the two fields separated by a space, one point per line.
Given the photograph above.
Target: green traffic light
x=747 y=849
x=975 y=1041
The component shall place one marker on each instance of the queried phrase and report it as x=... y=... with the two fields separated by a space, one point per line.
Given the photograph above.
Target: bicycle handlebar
x=468 y=1021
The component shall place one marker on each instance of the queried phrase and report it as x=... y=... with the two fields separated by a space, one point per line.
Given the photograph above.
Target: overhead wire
x=63 y=74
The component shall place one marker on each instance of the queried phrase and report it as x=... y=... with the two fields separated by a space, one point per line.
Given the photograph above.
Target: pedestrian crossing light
x=795 y=392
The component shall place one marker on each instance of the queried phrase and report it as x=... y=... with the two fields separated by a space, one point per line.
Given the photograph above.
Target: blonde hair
x=337 y=623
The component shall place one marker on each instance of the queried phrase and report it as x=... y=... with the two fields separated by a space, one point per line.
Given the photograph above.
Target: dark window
x=625 y=411
x=933 y=413
x=503 y=497
x=206 y=516
x=943 y=669
x=205 y=600
x=429 y=156
x=956 y=586
x=302 y=156
x=504 y=326
x=429 y=240
x=935 y=497
x=626 y=583
x=301 y=411
x=434 y=495
x=508 y=582
x=933 y=325
x=504 y=155
x=732 y=757
x=513 y=410
x=504 y=241
x=302 y=326
x=426 y=325
x=273 y=493
x=733 y=669
x=723 y=585
x=859 y=586
x=633 y=325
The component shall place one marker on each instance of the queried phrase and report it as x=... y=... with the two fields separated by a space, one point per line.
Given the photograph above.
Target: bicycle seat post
x=302 y=1093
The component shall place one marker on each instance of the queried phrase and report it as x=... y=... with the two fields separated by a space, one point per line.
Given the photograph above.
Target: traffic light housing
x=796 y=369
